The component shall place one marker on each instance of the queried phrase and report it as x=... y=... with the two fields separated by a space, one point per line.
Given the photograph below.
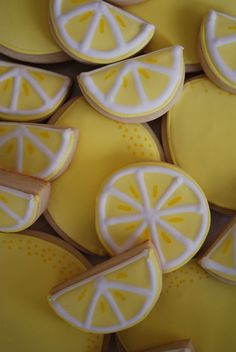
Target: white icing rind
x=101 y=9
x=22 y=131
x=152 y=216
x=102 y=286
x=214 y=43
x=20 y=221
x=19 y=72
x=175 y=74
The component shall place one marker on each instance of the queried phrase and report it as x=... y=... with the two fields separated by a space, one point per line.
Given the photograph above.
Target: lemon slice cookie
x=178 y=23
x=156 y=201
x=22 y=200
x=104 y=145
x=28 y=93
x=220 y=258
x=38 y=150
x=25 y=34
x=187 y=295
x=30 y=266
x=218 y=49
x=136 y=90
x=97 y=32
x=112 y=296
x=199 y=137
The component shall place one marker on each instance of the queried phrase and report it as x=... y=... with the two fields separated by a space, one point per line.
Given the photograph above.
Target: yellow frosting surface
x=192 y=305
x=24 y=27
x=200 y=131
x=178 y=22
x=30 y=267
x=104 y=146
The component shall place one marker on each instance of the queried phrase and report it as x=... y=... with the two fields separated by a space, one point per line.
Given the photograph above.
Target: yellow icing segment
x=220 y=259
x=218 y=47
x=178 y=314
x=155 y=201
x=24 y=27
x=35 y=149
x=28 y=93
x=30 y=266
x=114 y=299
x=178 y=22
x=199 y=132
x=97 y=32
x=139 y=89
x=104 y=145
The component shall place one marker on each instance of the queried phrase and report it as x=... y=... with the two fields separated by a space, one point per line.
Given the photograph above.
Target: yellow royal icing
x=95 y=31
x=35 y=149
x=200 y=134
x=192 y=304
x=104 y=145
x=30 y=266
x=24 y=27
x=114 y=299
x=138 y=89
x=178 y=22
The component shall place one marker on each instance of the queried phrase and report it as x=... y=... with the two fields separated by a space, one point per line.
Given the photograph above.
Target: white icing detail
x=22 y=131
x=209 y=264
x=152 y=217
x=19 y=72
x=100 y=9
x=214 y=43
x=174 y=73
x=20 y=221
x=101 y=289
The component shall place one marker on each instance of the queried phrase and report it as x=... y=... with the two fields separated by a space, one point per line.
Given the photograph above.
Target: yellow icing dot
x=3 y=199
x=134 y=192
x=101 y=25
x=121 y=275
x=102 y=307
x=26 y=88
x=85 y=16
x=30 y=148
x=165 y=237
x=232 y=27
x=119 y=295
x=227 y=245
x=44 y=134
x=144 y=73
x=155 y=191
x=124 y=207
x=176 y=219
x=151 y=60
x=109 y=75
x=130 y=227
x=174 y=200
x=9 y=148
x=6 y=84
x=39 y=75
x=120 y=21
x=125 y=82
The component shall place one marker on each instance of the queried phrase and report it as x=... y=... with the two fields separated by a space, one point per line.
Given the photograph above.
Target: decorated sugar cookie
x=178 y=23
x=114 y=295
x=179 y=346
x=104 y=146
x=220 y=259
x=188 y=294
x=136 y=90
x=30 y=266
x=199 y=136
x=22 y=200
x=154 y=201
x=28 y=93
x=217 y=43
x=38 y=150
x=96 y=32
x=25 y=34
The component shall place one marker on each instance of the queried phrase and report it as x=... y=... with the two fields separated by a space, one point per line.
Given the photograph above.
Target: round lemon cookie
x=192 y=305
x=177 y=23
x=104 y=145
x=30 y=266
x=199 y=137
x=25 y=34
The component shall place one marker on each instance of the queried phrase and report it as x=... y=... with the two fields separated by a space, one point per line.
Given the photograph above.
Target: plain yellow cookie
x=25 y=34
x=104 y=145
x=30 y=266
x=192 y=305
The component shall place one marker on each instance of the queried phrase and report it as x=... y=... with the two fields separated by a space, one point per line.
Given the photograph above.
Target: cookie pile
x=98 y=173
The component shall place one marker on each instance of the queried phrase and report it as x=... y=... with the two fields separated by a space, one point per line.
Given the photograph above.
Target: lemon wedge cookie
x=136 y=90
x=220 y=258
x=22 y=200
x=218 y=49
x=154 y=201
x=97 y=32
x=38 y=150
x=29 y=93
x=111 y=296
x=30 y=265
x=187 y=294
